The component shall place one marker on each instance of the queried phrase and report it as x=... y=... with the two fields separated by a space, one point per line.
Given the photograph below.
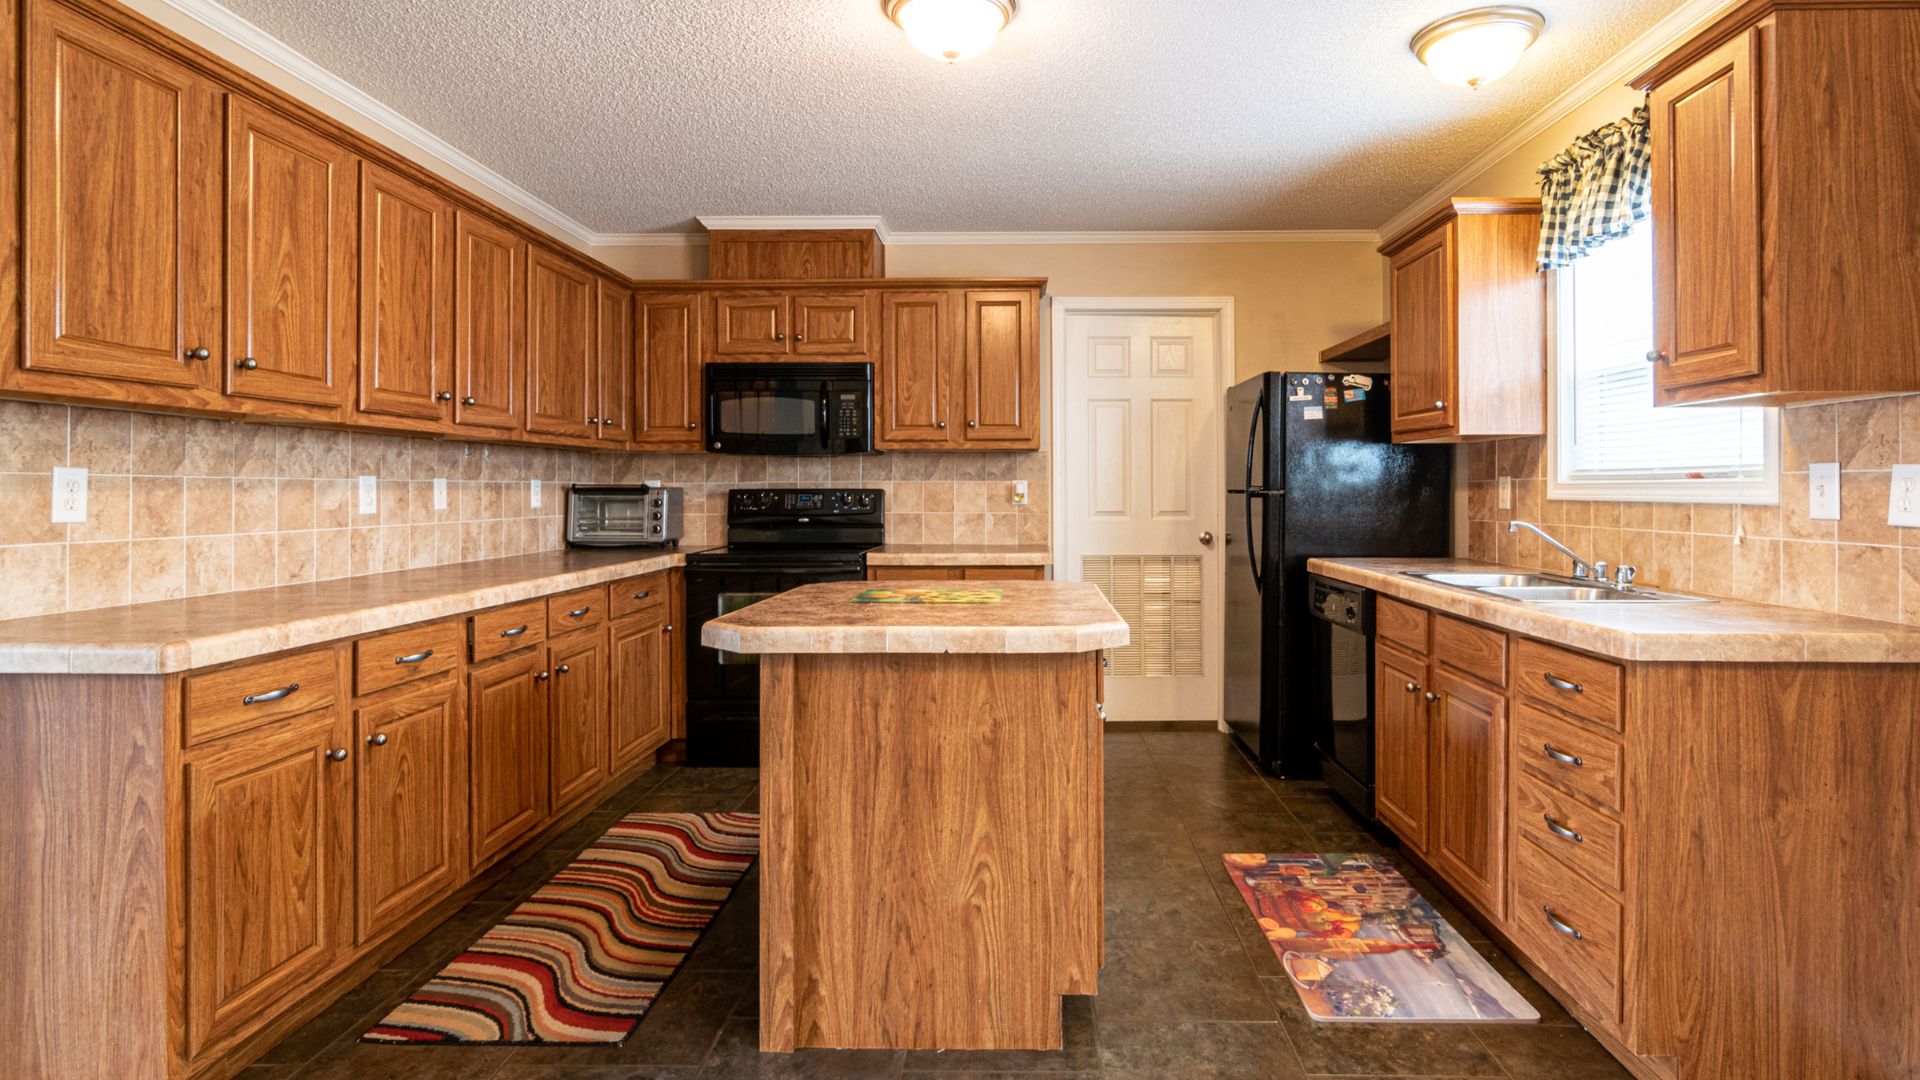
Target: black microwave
x=776 y=407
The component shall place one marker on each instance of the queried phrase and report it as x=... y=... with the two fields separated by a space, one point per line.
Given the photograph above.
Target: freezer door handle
x=1253 y=431
x=1253 y=541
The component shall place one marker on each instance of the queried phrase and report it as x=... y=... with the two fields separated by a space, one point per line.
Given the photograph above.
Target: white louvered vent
x=1159 y=596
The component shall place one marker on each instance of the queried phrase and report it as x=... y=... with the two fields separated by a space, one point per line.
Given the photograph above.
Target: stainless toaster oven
x=625 y=515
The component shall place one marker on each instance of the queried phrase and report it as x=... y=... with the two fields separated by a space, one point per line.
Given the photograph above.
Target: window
x=1609 y=442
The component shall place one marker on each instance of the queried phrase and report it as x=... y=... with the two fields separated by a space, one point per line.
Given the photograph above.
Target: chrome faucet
x=1582 y=569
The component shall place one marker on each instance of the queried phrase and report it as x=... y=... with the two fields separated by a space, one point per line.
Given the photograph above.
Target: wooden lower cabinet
x=639 y=685
x=576 y=717
x=409 y=819
x=506 y=753
x=1402 y=761
x=268 y=841
x=1468 y=836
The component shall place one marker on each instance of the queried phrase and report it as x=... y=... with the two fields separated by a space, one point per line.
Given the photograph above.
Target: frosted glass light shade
x=951 y=30
x=1476 y=47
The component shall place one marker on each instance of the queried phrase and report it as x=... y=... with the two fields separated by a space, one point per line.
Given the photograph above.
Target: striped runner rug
x=584 y=957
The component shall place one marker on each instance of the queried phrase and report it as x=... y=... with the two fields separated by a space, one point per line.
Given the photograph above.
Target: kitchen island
x=930 y=792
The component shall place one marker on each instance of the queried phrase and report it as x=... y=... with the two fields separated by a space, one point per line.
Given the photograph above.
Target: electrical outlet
x=1506 y=493
x=1903 y=502
x=369 y=496
x=1019 y=493
x=439 y=493
x=1823 y=491
x=533 y=493
x=69 y=496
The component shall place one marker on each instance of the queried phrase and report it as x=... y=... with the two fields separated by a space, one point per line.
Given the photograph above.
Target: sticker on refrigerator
x=1313 y=412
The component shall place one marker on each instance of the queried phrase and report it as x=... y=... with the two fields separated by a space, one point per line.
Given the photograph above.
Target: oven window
x=734 y=601
x=768 y=412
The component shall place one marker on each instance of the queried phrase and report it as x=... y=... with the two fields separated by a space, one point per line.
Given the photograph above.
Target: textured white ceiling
x=636 y=115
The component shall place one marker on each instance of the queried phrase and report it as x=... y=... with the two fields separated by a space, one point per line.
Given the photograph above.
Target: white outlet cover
x=1823 y=491
x=1019 y=493
x=1506 y=493
x=533 y=493
x=439 y=493
x=369 y=495
x=69 y=496
x=1903 y=502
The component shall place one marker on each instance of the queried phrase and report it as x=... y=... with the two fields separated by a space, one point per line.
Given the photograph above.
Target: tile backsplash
x=1858 y=565
x=181 y=506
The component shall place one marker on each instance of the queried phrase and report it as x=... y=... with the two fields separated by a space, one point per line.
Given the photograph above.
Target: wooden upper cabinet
x=830 y=324
x=794 y=254
x=123 y=211
x=1000 y=397
x=1468 y=834
x=490 y=324
x=268 y=829
x=913 y=382
x=1401 y=752
x=409 y=816
x=671 y=344
x=292 y=250
x=562 y=398
x=751 y=324
x=1469 y=323
x=406 y=297
x=614 y=361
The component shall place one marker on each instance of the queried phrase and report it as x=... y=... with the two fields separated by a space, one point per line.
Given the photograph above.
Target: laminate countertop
x=1030 y=617
x=960 y=555
x=179 y=635
x=1734 y=631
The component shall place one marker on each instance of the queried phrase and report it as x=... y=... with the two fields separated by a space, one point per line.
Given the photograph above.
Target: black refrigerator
x=1311 y=472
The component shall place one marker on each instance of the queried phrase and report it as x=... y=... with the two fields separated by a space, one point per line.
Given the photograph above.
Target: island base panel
x=931 y=847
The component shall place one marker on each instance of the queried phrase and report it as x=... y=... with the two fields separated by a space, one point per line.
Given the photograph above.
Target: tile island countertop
x=178 y=635
x=960 y=555
x=1732 y=631
x=1030 y=617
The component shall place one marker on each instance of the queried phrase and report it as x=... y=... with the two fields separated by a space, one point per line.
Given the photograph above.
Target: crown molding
x=750 y=222
x=1659 y=39
x=1222 y=236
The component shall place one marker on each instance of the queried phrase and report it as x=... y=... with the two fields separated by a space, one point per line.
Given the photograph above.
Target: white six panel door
x=1141 y=490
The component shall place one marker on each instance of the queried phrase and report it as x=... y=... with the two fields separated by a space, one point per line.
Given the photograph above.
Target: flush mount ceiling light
x=950 y=30
x=1478 y=46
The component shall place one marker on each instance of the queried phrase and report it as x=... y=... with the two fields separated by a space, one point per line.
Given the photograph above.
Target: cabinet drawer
x=1004 y=573
x=223 y=702
x=1476 y=650
x=502 y=630
x=576 y=610
x=1566 y=755
x=913 y=573
x=1580 y=836
x=636 y=594
x=1583 y=686
x=1570 y=928
x=405 y=655
x=1402 y=624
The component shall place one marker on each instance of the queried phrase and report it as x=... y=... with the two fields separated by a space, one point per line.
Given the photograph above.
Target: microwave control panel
x=849 y=416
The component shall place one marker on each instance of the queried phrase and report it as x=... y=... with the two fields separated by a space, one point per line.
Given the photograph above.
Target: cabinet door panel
x=1401 y=753
x=490 y=323
x=408 y=853
x=506 y=754
x=265 y=816
x=1706 y=219
x=750 y=324
x=560 y=347
x=830 y=324
x=916 y=369
x=640 y=687
x=614 y=363
x=1470 y=779
x=406 y=297
x=671 y=345
x=123 y=227
x=1425 y=310
x=1002 y=395
x=291 y=255
x=577 y=719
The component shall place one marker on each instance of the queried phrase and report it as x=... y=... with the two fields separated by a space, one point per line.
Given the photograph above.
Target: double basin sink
x=1548 y=588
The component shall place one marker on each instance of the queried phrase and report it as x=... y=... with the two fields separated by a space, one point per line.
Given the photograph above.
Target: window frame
x=1762 y=490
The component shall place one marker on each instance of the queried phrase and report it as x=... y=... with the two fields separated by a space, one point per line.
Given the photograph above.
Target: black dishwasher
x=1342 y=676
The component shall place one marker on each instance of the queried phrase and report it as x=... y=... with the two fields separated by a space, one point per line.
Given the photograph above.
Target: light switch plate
x=1903 y=502
x=439 y=493
x=1506 y=493
x=533 y=493
x=369 y=495
x=69 y=496
x=1823 y=491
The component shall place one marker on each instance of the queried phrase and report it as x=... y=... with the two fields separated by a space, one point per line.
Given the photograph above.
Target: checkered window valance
x=1594 y=190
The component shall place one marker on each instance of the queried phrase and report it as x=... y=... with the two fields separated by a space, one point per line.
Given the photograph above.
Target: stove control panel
x=804 y=503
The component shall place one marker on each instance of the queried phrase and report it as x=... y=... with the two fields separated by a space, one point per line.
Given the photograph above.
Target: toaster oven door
x=608 y=521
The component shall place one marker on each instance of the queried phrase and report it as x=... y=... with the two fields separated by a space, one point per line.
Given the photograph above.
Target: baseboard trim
x=1137 y=726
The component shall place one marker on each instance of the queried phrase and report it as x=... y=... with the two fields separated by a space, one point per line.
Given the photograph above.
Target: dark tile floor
x=1190 y=988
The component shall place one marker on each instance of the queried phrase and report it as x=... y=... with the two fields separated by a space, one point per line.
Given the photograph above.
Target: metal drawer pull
x=577 y=612
x=413 y=658
x=271 y=695
x=515 y=632
x=1560 y=756
x=1562 y=831
x=1559 y=683
x=1560 y=926
x=643 y=595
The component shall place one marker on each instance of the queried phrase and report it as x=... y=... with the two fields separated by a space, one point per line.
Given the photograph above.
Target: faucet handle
x=1599 y=572
x=1623 y=576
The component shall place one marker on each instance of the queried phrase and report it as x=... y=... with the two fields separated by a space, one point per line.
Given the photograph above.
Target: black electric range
x=777 y=539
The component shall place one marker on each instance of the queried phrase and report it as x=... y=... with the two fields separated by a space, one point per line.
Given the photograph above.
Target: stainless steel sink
x=1549 y=588
x=1488 y=581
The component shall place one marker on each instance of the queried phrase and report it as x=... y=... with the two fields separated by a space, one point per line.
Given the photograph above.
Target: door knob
x=1206 y=539
x=246 y=363
x=199 y=352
